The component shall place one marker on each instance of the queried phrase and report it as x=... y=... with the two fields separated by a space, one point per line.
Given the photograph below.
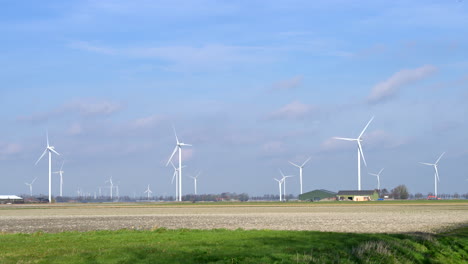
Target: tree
x=418 y=195
x=400 y=192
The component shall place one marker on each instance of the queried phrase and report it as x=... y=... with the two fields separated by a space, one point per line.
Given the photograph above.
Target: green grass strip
x=233 y=246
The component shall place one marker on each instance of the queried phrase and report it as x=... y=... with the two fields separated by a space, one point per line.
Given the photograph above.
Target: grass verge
x=233 y=246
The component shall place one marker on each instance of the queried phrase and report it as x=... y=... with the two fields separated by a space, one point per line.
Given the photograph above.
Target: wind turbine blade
x=43 y=153
x=53 y=150
x=347 y=139
x=175 y=133
x=439 y=158
x=429 y=164
x=188 y=145
x=373 y=174
x=282 y=174
x=380 y=171
x=362 y=153
x=34 y=180
x=173 y=177
x=173 y=153
x=294 y=164
x=437 y=172
x=47 y=136
x=364 y=130
x=306 y=161
x=61 y=167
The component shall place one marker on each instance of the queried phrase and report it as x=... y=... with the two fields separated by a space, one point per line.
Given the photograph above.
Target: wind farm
x=228 y=132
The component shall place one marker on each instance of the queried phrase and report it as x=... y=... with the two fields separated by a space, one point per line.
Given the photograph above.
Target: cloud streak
x=83 y=107
x=389 y=88
x=292 y=111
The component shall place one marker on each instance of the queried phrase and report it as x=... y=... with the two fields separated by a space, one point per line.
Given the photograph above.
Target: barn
x=354 y=195
x=318 y=195
x=4 y=199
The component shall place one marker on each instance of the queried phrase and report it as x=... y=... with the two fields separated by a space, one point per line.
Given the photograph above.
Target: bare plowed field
x=349 y=217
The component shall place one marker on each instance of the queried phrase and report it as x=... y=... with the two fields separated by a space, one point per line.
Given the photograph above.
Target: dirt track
x=320 y=217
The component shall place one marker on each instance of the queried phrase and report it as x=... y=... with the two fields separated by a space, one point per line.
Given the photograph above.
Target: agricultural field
x=383 y=217
x=390 y=232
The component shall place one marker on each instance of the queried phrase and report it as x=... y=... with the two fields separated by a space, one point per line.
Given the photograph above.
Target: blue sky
x=251 y=84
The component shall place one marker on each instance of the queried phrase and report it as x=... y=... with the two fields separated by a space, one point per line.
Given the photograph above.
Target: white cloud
x=287 y=84
x=389 y=88
x=148 y=121
x=9 y=149
x=294 y=110
x=84 y=107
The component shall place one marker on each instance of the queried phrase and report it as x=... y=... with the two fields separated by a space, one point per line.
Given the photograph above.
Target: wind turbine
x=284 y=183
x=111 y=186
x=195 y=181
x=60 y=172
x=436 y=175
x=360 y=153
x=378 y=178
x=300 y=170
x=30 y=186
x=280 y=182
x=178 y=147
x=49 y=149
x=148 y=191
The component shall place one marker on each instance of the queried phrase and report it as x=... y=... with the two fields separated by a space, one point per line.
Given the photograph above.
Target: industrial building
x=362 y=195
x=318 y=195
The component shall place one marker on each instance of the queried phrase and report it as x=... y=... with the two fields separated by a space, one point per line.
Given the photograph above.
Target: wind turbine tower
x=178 y=147
x=378 y=178
x=60 y=172
x=436 y=175
x=30 y=186
x=300 y=170
x=49 y=149
x=360 y=153
x=111 y=186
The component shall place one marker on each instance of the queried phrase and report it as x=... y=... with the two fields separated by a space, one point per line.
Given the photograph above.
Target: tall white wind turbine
x=148 y=191
x=30 y=186
x=60 y=172
x=284 y=183
x=360 y=153
x=436 y=175
x=195 y=181
x=378 y=178
x=49 y=149
x=280 y=182
x=178 y=148
x=300 y=170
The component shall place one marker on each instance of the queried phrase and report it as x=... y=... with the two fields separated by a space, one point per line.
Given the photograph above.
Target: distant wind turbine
x=378 y=178
x=178 y=147
x=49 y=149
x=111 y=186
x=60 y=172
x=195 y=181
x=280 y=182
x=436 y=175
x=360 y=153
x=148 y=191
x=284 y=183
x=30 y=186
x=300 y=170
x=175 y=176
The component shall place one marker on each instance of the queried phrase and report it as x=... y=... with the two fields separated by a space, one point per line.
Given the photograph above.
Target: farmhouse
x=353 y=195
x=10 y=199
x=318 y=195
